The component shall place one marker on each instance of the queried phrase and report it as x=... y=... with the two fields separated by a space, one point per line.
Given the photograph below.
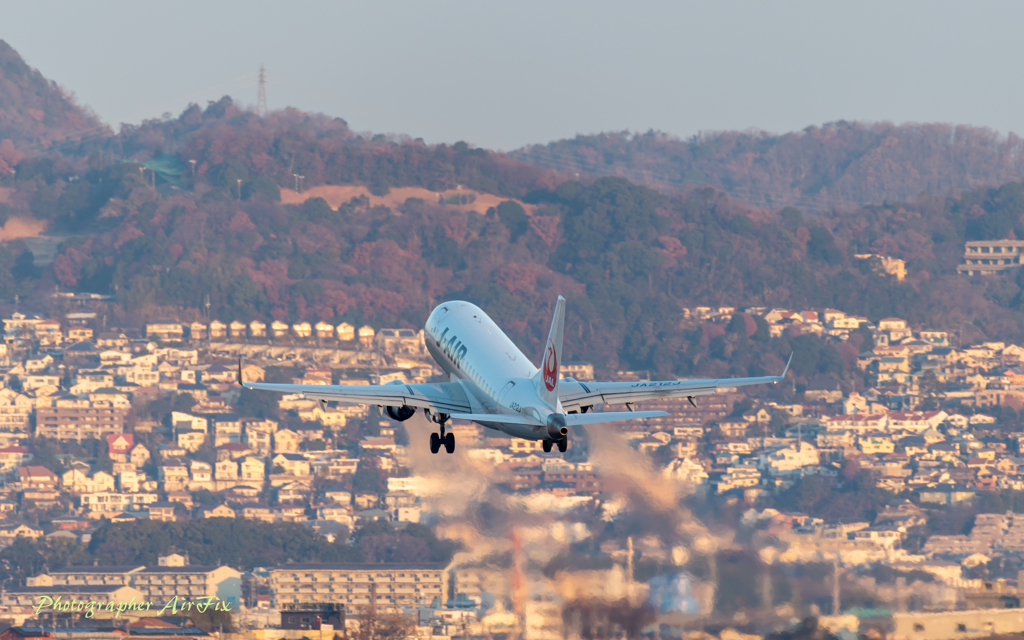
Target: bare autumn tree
x=389 y=625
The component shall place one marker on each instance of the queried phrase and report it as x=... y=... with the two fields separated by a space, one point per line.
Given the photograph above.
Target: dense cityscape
x=109 y=427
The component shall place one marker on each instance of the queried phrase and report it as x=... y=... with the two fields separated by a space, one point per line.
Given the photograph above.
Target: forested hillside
x=229 y=143
x=35 y=113
x=839 y=165
x=627 y=258
x=168 y=213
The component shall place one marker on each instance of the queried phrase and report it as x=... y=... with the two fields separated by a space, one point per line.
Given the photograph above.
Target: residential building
x=161 y=583
x=119 y=576
x=77 y=419
x=986 y=257
x=359 y=587
x=165 y=330
x=108 y=501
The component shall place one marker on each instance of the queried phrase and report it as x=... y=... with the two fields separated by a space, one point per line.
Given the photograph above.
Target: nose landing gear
x=437 y=440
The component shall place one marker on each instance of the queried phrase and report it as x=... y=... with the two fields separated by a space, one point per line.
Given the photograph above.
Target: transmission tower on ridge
x=261 y=95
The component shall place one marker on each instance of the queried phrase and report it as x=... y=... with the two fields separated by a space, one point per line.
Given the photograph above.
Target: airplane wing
x=575 y=394
x=443 y=397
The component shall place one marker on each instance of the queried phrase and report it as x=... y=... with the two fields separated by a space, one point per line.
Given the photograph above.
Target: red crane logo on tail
x=551 y=368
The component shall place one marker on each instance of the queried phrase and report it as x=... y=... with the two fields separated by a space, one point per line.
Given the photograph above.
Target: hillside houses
x=922 y=422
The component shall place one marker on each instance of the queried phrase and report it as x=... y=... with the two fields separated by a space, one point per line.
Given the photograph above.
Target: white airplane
x=492 y=383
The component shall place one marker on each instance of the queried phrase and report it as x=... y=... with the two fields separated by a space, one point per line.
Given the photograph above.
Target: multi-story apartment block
x=160 y=584
x=682 y=413
x=154 y=584
x=473 y=582
x=29 y=596
x=110 y=502
x=90 y=576
x=360 y=586
x=985 y=257
x=76 y=419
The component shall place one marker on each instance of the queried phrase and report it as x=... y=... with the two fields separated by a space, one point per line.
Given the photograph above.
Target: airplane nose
x=556 y=426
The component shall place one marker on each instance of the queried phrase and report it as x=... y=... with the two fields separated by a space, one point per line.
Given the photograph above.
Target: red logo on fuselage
x=551 y=368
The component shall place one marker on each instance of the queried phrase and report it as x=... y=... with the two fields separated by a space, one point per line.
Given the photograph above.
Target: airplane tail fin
x=547 y=377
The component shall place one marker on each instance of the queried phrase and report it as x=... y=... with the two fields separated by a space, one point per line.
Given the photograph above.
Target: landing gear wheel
x=547 y=445
x=563 y=444
x=435 y=443
x=449 y=442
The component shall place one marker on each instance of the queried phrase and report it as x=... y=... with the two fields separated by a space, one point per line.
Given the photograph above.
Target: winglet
x=786 y=370
x=240 y=383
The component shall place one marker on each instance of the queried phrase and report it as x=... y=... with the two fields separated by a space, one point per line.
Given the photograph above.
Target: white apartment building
x=360 y=586
x=161 y=583
x=91 y=576
x=789 y=459
x=110 y=502
x=741 y=477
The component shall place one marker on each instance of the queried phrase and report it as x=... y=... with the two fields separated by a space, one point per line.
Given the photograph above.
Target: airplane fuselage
x=497 y=376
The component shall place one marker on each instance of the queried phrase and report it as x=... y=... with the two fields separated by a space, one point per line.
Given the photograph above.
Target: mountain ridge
x=836 y=166
x=35 y=113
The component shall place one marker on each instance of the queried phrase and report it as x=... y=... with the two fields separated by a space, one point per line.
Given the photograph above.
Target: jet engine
x=401 y=414
x=556 y=426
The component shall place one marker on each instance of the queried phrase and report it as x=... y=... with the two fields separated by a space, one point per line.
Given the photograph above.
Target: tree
x=763 y=331
x=930 y=390
x=24 y=266
x=369 y=477
x=45 y=453
x=104 y=462
x=387 y=626
x=737 y=325
x=263 y=189
x=514 y=218
x=212 y=620
x=227 y=174
x=791 y=217
x=317 y=209
x=822 y=246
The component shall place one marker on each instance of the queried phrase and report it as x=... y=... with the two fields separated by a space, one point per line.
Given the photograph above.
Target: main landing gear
x=563 y=444
x=437 y=440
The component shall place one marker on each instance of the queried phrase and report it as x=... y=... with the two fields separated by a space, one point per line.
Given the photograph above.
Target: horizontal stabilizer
x=571 y=419
x=577 y=419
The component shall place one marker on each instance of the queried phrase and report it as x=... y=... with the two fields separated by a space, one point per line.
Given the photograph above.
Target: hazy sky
x=502 y=75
